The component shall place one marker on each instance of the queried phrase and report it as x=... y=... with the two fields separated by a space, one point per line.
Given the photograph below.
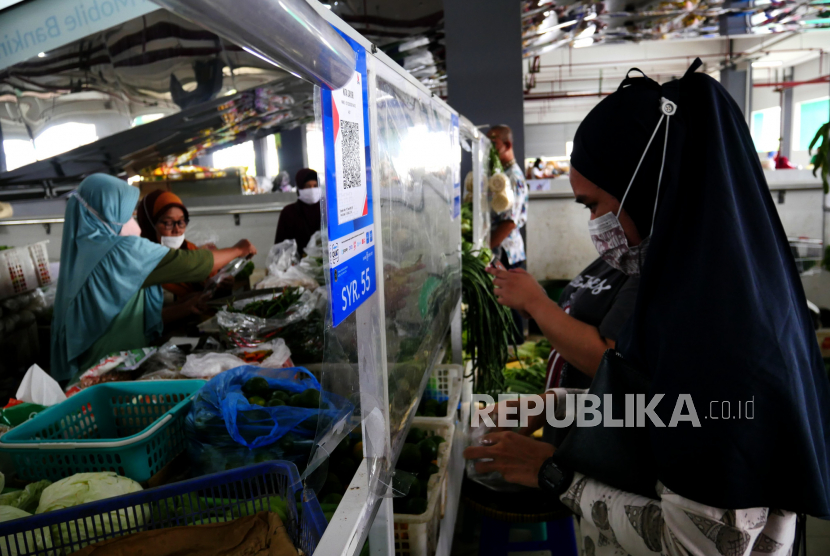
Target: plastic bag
x=494 y=480
x=116 y=367
x=165 y=364
x=259 y=355
x=293 y=277
x=281 y=257
x=248 y=330
x=282 y=269
x=225 y=431
x=208 y=365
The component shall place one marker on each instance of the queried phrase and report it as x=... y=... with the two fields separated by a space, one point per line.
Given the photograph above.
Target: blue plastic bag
x=225 y=431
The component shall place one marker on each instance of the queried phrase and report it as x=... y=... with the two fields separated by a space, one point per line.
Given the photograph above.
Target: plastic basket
x=417 y=535
x=231 y=493
x=444 y=385
x=131 y=428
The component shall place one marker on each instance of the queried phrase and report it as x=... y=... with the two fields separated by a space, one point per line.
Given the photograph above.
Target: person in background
x=507 y=229
x=537 y=171
x=299 y=221
x=163 y=218
x=109 y=296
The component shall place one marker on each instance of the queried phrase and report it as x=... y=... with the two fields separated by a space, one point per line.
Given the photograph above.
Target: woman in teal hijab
x=109 y=295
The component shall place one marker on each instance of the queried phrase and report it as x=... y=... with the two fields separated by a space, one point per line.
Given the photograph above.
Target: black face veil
x=721 y=314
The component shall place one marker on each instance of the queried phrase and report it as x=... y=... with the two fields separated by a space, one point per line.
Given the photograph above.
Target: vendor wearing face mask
x=109 y=296
x=299 y=221
x=163 y=219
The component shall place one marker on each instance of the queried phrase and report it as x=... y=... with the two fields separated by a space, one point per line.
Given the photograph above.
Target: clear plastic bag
x=281 y=257
x=494 y=480
x=248 y=330
x=283 y=270
x=224 y=430
x=165 y=364
x=208 y=365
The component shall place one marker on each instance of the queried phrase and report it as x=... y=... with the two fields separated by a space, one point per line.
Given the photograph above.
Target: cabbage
x=26 y=541
x=27 y=499
x=82 y=488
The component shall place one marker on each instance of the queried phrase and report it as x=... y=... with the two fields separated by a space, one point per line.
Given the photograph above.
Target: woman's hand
x=194 y=304
x=245 y=248
x=517 y=289
x=518 y=458
x=510 y=410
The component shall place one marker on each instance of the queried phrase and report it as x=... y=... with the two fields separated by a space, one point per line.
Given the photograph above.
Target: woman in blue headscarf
x=109 y=295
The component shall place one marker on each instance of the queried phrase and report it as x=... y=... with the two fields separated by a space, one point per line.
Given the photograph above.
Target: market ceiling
x=208 y=92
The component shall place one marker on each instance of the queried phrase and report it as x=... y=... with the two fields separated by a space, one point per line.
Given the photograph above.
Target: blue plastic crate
x=244 y=491
x=131 y=428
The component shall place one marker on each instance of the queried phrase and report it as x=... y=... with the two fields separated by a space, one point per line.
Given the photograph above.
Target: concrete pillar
x=292 y=151
x=259 y=156
x=484 y=64
x=738 y=81
x=787 y=117
x=2 y=153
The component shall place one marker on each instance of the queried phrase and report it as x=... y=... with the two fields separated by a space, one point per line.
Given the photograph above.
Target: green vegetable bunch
x=821 y=160
x=416 y=464
x=488 y=326
x=275 y=307
x=259 y=392
x=493 y=161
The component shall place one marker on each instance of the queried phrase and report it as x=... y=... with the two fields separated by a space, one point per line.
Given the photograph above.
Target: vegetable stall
x=274 y=418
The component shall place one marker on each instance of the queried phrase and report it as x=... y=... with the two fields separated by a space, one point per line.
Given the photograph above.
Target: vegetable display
x=526 y=375
x=41 y=539
x=275 y=307
x=89 y=487
x=416 y=464
x=432 y=408
x=488 y=327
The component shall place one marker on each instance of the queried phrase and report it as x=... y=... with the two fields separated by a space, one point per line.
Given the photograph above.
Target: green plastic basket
x=131 y=428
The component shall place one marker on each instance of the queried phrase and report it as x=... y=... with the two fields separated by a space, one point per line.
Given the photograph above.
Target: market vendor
x=299 y=221
x=163 y=218
x=507 y=229
x=109 y=295
x=725 y=484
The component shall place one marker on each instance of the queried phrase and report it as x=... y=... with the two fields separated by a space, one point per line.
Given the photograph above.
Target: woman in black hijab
x=299 y=221
x=721 y=322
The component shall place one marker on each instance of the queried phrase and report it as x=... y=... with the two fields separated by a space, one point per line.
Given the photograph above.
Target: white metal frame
x=361 y=515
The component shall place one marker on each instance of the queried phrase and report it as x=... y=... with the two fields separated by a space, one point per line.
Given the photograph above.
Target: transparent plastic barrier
x=287 y=33
x=481 y=192
x=415 y=166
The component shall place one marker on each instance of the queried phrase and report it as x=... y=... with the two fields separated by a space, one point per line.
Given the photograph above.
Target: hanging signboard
x=43 y=25
x=349 y=214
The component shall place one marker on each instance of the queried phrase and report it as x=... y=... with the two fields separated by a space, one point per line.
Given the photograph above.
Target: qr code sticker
x=350 y=153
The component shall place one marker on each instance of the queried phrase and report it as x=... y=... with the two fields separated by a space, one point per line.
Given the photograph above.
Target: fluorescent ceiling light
x=768 y=64
x=582 y=43
x=590 y=16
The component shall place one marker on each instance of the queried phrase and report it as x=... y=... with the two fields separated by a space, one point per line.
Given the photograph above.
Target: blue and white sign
x=456 y=169
x=44 y=25
x=350 y=219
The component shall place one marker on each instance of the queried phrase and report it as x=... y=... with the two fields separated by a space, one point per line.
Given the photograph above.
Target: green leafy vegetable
x=40 y=538
x=488 y=326
x=821 y=160
x=89 y=487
